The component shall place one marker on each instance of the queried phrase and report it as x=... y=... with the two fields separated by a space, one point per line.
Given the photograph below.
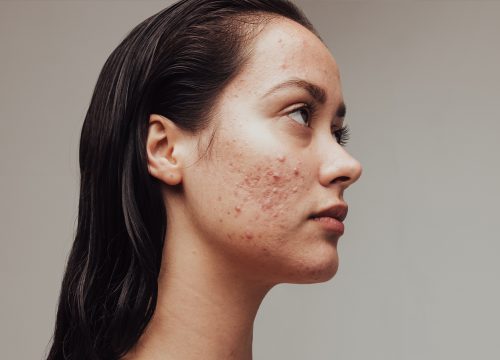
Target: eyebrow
x=316 y=92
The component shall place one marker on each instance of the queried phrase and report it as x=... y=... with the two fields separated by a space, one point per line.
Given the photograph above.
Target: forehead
x=285 y=49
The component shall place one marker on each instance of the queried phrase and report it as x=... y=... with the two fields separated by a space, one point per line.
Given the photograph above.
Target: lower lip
x=330 y=224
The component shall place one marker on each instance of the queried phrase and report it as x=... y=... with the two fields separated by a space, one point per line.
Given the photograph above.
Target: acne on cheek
x=267 y=189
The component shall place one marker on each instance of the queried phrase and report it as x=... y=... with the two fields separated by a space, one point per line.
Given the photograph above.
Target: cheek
x=265 y=198
x=265 y=224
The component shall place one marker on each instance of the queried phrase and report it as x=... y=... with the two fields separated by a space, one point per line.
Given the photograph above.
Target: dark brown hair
x=175 y=63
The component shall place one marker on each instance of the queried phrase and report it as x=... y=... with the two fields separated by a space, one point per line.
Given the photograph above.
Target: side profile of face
x=272 y=164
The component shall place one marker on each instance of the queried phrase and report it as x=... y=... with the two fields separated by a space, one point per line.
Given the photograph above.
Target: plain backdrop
x=419 y=261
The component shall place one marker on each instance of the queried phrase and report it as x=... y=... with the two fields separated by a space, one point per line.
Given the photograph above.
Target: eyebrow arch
x=317 y=92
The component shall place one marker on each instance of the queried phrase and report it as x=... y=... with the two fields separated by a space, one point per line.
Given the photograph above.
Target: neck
x=206 y=305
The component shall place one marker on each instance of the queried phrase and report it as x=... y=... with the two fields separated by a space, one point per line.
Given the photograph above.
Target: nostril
x=341 y=179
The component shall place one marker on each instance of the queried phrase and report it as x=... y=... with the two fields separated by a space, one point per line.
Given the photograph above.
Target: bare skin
x=238 y=220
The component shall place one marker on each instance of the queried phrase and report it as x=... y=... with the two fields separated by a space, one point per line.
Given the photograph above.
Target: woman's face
x=272 y=165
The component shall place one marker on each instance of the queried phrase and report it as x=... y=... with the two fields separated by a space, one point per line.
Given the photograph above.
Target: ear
x=166 y=149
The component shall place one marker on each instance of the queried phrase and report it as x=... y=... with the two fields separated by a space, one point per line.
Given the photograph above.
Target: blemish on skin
x=296 y=171
x=276 y=176
x=294 y=189
x=275 y=190
x=248 y=235
x=281 y=158
x=237 y=208
x=267 y=204
x=219 y=198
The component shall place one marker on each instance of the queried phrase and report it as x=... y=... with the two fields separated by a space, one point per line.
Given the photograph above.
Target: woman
x=212 y=168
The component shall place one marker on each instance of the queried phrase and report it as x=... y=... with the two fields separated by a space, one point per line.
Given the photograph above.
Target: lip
x=330 y=224
x=331 y=218
x=337 y=211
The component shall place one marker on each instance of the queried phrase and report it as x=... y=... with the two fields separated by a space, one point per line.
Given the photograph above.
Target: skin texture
x=237 y=220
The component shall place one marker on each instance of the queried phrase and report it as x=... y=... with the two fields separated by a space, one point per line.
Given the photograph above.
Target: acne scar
x=270 y=185
x=267 y=186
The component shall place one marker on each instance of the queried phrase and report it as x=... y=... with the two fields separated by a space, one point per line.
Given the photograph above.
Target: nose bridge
x=338 y=166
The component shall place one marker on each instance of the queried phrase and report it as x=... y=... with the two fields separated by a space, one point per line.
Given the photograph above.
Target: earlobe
x=162 y=146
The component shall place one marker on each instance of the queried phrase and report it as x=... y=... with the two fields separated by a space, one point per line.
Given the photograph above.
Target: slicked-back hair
x=175 y=63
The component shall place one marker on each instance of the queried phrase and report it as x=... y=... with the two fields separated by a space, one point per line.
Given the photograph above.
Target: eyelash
x=342 y=135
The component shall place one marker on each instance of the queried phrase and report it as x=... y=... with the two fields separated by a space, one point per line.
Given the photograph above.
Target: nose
x=339 y=168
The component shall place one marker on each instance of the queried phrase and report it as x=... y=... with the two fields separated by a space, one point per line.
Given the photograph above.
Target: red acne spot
x=267 y=204
x=296 y=171
x=248 y=235
x=281 y=158
x=294 y=189
x=275 y=190
x=276 y=176
x=237 y=208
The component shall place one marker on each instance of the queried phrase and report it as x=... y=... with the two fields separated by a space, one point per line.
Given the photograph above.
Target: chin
x=311 y=272
x=319 y=275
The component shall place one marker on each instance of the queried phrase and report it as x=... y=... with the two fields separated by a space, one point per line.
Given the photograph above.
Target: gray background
x=419 y=262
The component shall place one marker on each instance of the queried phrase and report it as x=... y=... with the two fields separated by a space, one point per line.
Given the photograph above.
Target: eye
x=302 y=114
x=342 y=135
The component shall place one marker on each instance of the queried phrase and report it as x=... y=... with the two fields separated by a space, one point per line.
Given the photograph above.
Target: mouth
x=331 y=218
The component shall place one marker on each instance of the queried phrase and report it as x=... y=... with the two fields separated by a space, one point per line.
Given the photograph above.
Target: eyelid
x=299 y=106
x=310 y=107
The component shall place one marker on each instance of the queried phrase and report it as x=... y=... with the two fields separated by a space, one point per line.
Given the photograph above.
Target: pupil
x=304 y=114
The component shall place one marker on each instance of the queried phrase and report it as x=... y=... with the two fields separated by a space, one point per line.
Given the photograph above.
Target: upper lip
x=337 y=211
